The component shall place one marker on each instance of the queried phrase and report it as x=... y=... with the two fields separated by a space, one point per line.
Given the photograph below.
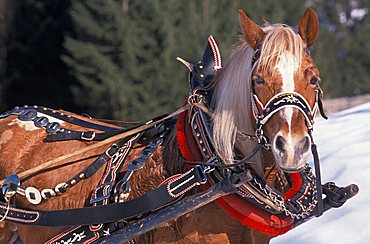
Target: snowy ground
x=344 y=148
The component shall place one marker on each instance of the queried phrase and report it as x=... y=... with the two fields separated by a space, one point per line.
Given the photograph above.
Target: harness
x=304 y=198
x=234 y=187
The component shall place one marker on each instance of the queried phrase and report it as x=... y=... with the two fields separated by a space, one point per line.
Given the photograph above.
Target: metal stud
x=81 y=176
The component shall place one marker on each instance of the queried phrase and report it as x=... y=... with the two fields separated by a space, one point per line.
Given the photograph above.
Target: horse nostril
x=304 y=145
x=280 y=144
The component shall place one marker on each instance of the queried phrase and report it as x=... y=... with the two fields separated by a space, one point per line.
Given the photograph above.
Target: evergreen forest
x=117 y=58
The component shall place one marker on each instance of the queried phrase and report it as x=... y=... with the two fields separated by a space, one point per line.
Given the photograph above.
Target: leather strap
x=165 y=194
x=89 y=135
x=119 y=136
x=74 y=120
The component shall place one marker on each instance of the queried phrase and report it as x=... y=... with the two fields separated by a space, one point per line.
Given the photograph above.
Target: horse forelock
x=281 y=43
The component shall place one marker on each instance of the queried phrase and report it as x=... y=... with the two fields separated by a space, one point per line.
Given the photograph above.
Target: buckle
x=113 y=149
x=88 y=135
x=201 y=175
x=101 y=192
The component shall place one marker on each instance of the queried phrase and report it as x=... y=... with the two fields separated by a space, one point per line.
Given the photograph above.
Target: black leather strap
x=162 y=196
x=74 y=120
x=89 y=135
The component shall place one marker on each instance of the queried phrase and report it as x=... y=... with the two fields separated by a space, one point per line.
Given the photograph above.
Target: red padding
x=254 y=217
x=181 y=137
x=296 y=182
x=187 y=144
x=245 y=212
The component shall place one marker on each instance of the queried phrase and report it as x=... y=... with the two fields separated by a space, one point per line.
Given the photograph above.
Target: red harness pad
x=242 y=210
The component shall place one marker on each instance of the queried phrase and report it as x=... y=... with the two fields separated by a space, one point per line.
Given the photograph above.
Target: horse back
x=23 y=147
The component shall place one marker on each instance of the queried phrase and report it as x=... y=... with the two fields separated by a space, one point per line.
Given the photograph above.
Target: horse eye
x=259 y=80
x=314 y=80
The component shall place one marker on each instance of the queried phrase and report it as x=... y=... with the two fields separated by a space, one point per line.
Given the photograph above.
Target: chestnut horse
x=283 y=65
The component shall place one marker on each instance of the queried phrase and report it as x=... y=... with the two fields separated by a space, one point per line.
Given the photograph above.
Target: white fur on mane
x=232 y=97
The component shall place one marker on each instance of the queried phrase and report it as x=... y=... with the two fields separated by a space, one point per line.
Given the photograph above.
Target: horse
x=270 y=63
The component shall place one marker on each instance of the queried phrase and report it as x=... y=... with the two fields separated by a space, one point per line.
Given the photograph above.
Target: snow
x=344 y=148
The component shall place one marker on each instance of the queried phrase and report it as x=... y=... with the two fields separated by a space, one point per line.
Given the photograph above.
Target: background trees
x=117 y=58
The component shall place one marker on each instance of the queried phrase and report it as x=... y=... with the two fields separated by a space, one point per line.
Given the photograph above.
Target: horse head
x=284 y=73
x=273 y=66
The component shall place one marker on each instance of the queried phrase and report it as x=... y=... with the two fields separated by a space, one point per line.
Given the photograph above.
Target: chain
x=262 y=139
x=123 y=187
x=279 y=201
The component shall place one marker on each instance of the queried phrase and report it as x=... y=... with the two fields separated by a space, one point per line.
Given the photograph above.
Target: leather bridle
x=263 y=112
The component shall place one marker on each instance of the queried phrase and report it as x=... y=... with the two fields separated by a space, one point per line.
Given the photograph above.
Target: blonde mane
x=232 y=97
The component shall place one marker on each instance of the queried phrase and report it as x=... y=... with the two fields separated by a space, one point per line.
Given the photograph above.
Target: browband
x=263 y=113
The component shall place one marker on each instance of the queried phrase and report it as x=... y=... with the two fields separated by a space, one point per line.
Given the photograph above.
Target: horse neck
x=172 y=159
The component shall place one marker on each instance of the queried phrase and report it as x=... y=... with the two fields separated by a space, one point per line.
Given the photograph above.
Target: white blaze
x=287 y=66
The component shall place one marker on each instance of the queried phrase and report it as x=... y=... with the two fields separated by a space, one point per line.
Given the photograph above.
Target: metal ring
x=41 y=121
x=33 y=195
x=28 y=115
x=53 y=127
x=7 y=193
x=136 y=164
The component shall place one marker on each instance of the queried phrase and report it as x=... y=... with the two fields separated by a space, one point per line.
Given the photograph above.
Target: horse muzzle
x=291 y=152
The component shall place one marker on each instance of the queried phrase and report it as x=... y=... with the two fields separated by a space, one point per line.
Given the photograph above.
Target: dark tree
x=34 y=72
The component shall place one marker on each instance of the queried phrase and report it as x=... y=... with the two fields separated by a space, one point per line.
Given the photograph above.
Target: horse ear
x=253 y=34
x=309 y=27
